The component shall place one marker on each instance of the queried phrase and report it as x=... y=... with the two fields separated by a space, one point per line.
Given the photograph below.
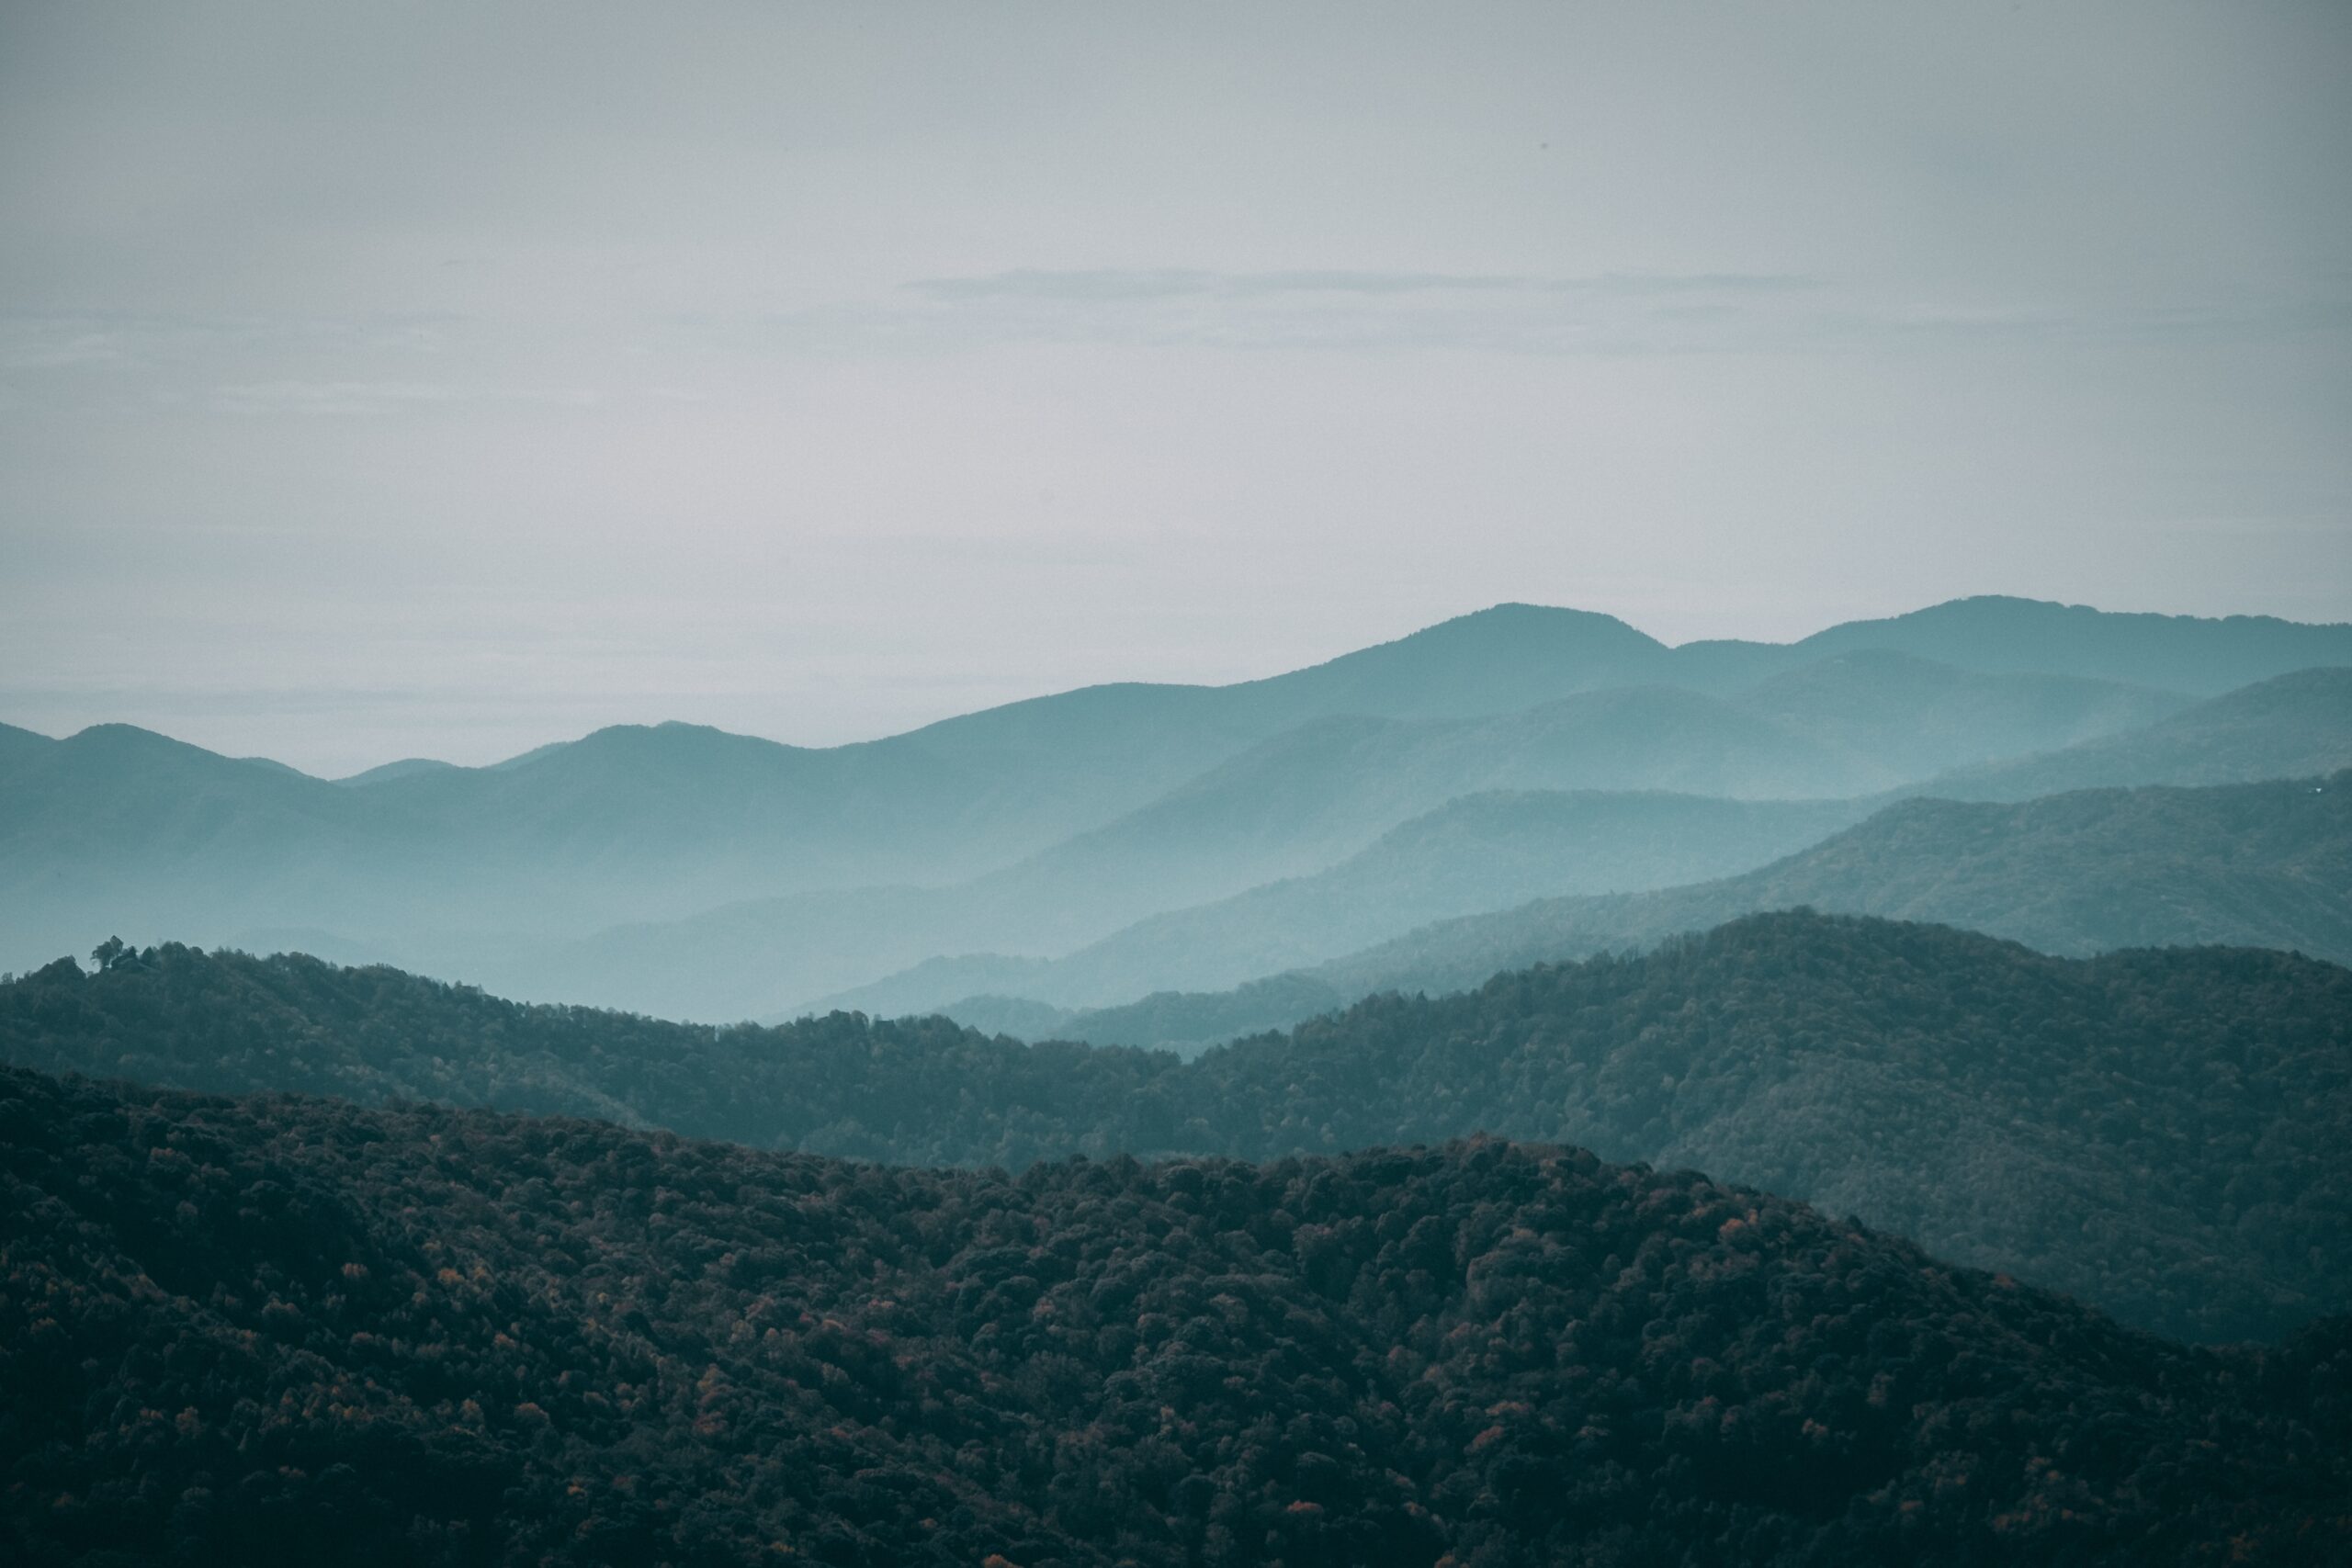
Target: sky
x=446 y=379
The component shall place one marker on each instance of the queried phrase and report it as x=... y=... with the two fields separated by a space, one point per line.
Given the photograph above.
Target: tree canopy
x=2161 y=1132
x=283 y=1328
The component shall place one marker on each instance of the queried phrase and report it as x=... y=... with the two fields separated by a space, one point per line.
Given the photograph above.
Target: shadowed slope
x=2195 y=1104
x=1481 y=1353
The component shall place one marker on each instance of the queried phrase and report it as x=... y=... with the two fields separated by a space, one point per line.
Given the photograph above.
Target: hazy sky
x=403 y=379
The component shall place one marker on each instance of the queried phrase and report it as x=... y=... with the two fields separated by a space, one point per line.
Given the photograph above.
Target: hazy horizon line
x=282 y=696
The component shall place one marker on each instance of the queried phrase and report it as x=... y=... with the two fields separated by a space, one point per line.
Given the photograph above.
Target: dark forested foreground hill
x=2162 y=1134
x=294 y=1330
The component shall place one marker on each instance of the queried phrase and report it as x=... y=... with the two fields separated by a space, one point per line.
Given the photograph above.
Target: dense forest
x=292 y=1329
x=2160 y=1132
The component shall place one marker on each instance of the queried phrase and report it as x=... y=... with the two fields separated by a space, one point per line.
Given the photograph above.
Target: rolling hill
x=384 y=771
x=2265 y=865
x=1997 y=634
x=2287 y=727
x=1187 y=876
x=1913 y=718
x=2161 y=1132
x=230 y=1334
x=1475 y=852
x=1285 y=809
x=2120 y=892
x=569 y=870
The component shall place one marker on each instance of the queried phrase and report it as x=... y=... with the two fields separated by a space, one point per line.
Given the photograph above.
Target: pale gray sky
x=446 y=379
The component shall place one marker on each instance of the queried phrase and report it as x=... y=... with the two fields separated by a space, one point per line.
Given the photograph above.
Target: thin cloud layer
x=1091 y=287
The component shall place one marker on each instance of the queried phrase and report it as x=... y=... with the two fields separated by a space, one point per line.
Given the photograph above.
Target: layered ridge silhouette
x=682 y=869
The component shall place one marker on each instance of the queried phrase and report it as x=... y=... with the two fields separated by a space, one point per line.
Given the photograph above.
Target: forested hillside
x=2257 y=865
x=297 y=1330
x=1987 y=1100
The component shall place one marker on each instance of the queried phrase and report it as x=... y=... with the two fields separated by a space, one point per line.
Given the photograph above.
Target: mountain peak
x=122 y=743
x=2001 y=633
x=384 y=773
x=668 y=739
x=1518 y=618
x=1499 y=660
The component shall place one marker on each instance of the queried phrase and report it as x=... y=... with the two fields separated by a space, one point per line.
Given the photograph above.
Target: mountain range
x=2265 y=864
x=1197 y=891
x=1969 y=1093
x=684 y=870
x=2013 y=933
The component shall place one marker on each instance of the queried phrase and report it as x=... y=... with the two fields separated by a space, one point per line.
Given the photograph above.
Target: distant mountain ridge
x=1469 y=855
x=399 y=770
x=1913 y=718
x=2297 y=725
x=1111 y=800
x=2289 y=725
x=1559 y=651
x=2266 y=865
x=1209 y=854
x=1213 y=854
x=751 y=960
x=1997 y=633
